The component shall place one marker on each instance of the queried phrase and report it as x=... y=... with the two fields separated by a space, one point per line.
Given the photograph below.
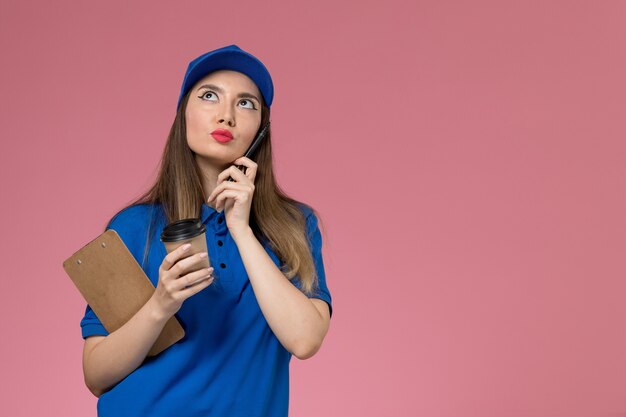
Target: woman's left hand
x=235 y=197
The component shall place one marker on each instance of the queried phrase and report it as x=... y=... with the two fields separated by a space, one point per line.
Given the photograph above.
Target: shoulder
x=307 y=211
x=133 y=216
x=132 y=224
x=311 y=218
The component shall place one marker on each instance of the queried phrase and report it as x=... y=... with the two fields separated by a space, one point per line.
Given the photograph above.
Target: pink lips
x=222 y=135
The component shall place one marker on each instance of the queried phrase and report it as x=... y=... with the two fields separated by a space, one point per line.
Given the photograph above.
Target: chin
x=216 y=158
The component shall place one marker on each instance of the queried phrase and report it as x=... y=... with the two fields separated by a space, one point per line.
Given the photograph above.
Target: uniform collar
x=207 y=211
x=213 y=219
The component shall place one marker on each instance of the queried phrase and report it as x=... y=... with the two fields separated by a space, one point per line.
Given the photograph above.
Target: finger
x=251 y=167
x=175 y=255
x=235 y=173
x=195 y=288
x=224 y=174
x=223 y=186
x=218 y=189
x=193 y=278
x=249 y=163
x=189 y=263
x=231 y=171
x=237 y=195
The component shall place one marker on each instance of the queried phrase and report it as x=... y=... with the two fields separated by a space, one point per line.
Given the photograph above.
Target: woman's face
x=226 y=100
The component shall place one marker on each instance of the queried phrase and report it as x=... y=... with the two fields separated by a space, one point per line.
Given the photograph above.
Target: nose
x=227 y=116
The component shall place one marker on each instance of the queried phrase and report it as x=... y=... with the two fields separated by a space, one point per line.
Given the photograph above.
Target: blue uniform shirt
x=229 y=363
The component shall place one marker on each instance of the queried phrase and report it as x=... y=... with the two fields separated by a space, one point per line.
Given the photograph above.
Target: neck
x=209 y=172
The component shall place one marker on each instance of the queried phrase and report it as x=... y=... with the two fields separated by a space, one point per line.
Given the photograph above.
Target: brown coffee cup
x=190 y=231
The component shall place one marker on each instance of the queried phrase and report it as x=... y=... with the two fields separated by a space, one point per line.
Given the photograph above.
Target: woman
x=268 y=298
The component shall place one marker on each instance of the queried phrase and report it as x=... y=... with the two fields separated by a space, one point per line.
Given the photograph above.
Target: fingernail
x=186 y=246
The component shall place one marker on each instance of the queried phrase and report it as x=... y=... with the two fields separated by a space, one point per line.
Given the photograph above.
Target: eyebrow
x=219 y=90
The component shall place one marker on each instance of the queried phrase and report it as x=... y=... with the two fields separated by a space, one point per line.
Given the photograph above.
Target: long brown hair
x=274 y=217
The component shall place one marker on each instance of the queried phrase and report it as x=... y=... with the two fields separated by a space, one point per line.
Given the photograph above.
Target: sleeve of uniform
x=124 y=224
x=315 y=237
x=91 y=325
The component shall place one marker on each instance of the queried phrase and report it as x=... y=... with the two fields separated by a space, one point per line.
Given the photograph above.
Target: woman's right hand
x=172 y=289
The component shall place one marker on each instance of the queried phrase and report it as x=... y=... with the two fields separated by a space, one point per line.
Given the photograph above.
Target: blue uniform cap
x=233 y=58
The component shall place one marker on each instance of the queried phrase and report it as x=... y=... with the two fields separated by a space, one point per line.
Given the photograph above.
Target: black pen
x=255 y=144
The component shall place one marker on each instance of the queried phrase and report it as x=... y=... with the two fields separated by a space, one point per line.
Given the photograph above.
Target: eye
x=249 y=102
x=205 y=93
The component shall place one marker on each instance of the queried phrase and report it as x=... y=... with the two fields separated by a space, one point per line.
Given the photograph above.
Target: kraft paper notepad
x=115 y=286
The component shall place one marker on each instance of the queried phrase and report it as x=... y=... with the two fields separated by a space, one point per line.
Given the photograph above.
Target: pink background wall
x=468 y=160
